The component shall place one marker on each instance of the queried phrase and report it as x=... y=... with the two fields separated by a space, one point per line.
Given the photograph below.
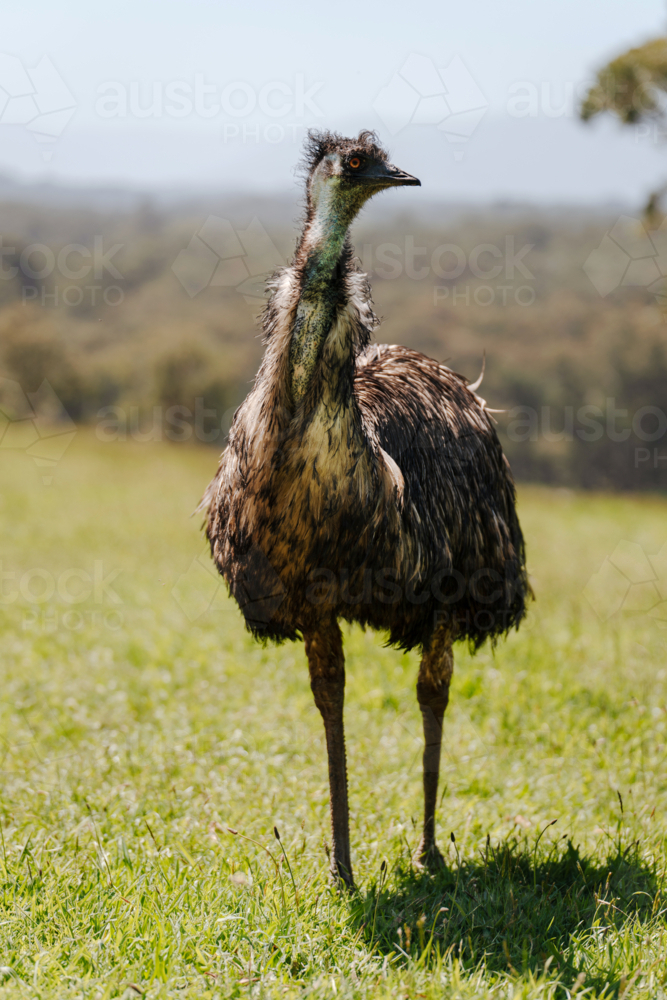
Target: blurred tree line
x=146 y=329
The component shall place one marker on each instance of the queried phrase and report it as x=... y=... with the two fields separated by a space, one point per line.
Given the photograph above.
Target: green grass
x=134 y=734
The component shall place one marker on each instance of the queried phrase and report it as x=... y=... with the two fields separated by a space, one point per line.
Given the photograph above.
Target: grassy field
x=138 y=722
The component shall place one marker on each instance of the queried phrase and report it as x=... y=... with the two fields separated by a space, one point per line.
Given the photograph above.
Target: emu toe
x=343 y=878
x=428 y=856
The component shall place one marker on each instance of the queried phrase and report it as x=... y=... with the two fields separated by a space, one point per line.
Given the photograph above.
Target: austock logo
x=199 y=589
x=258 y=589
x=630 y=581
x=273 y=100
x=630 y=256
x=494 y=272
x=220 y=256
x=445 y=97
x=36 y=423
x=87 y=596
x=36 y=98
x=54 y=276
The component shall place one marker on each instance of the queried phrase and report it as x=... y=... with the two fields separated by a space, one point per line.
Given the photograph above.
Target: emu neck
x=322 y=287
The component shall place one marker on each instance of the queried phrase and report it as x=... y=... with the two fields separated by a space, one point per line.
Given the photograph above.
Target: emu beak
x=400 y=178
x=388 y=175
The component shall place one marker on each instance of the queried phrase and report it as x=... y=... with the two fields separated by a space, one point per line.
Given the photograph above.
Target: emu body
x=363 y=483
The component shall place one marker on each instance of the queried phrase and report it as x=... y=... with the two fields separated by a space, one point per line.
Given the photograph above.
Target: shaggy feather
x=379 y=492
x=320 y=143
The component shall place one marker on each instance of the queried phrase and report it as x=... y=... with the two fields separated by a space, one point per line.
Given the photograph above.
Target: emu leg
x=435 y=673
x=326 y=663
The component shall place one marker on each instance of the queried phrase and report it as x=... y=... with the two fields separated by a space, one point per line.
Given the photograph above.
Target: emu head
x=344 y=173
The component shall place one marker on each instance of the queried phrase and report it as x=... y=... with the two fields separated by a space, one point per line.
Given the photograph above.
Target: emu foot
x=342 y=876
x=428 y=856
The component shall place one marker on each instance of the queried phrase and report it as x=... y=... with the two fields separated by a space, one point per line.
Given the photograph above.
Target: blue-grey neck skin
x=334 y=208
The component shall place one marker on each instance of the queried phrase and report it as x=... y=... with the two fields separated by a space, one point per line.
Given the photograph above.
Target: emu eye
x=355 y=162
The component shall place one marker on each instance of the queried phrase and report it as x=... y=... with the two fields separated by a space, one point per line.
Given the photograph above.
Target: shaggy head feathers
x=320 y=143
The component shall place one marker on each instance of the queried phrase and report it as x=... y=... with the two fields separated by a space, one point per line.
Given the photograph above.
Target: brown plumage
x=363 y=483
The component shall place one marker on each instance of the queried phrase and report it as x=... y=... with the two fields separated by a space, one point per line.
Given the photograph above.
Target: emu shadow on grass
x=508 y=908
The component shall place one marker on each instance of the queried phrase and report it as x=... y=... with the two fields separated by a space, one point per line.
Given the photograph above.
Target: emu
x=362 y=482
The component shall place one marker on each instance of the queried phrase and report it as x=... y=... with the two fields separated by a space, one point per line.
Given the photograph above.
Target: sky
x=478 y=99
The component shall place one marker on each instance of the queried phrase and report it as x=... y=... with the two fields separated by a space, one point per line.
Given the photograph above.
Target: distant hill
x=147 y=305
